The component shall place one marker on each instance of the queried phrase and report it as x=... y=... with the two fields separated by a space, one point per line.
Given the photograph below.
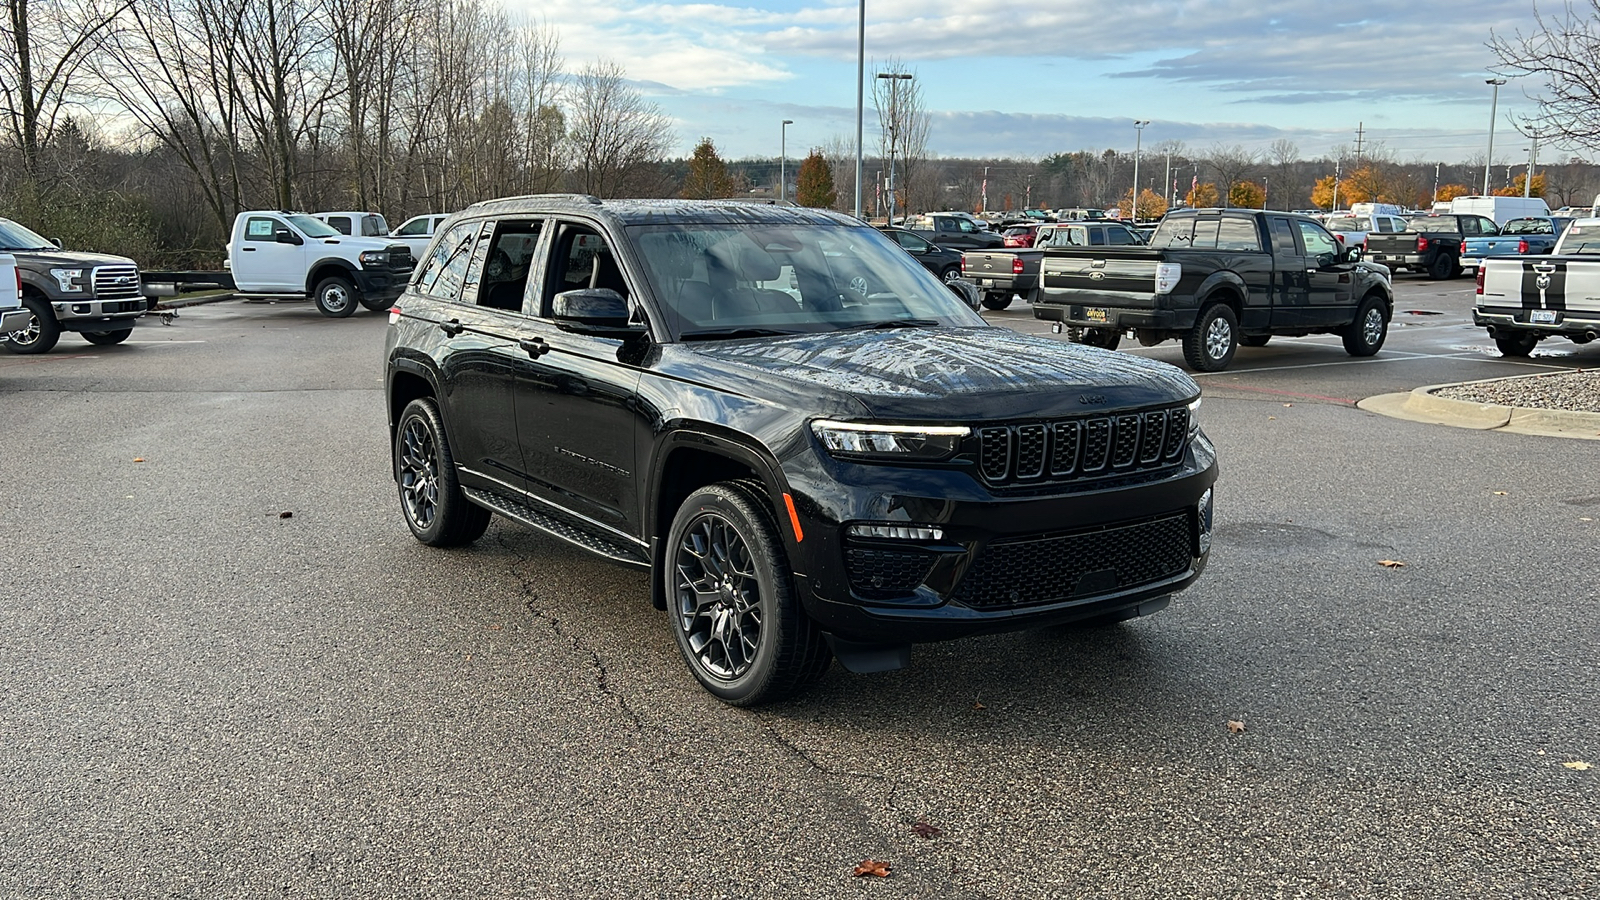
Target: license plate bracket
x=1542 y=317
x=1096 y=314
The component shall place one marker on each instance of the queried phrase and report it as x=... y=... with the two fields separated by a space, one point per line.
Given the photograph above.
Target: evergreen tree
x=814 y=185
x=708 y=177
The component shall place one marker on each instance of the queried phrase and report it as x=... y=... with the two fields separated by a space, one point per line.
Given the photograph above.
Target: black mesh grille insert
x=1030 y=451
x=1096 y=444
x=1152 y=434
x=879 y=572
x=1054 y=568
x=996 y=453
x=1125 y=444
x=1177 y=432
x=1064 y=455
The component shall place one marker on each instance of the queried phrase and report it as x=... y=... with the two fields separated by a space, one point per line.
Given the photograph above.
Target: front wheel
x=107 y=338
x=335 y=297
x=1518 y=344
x=735 y=615
x=42 y=330
x=1366 y=334
x=1210 y=345
x=435 y=508
x=996 y=302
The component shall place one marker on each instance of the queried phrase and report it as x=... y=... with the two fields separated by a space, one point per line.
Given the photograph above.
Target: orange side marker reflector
x=794 y=518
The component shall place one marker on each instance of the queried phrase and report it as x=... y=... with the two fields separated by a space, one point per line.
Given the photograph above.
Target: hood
x=358 y=244
x=41 y=260
x=954 y=374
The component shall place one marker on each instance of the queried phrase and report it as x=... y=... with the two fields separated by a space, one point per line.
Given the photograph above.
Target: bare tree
x=616 y=134
x=903 y=125
x=1562 y=51
x=44 y=47
x=1231 y=164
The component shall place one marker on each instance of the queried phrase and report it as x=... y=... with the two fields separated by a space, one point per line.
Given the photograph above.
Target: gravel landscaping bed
x=1571 y=391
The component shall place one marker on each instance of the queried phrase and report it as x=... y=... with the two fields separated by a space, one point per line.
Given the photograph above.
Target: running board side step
x=561 y=527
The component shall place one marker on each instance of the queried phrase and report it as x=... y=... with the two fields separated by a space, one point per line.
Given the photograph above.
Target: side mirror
x=597 y=312
x=57 y=242
x=1350 y=254
x=285 y=236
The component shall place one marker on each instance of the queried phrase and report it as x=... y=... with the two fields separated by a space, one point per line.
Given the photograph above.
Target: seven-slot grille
x=1039 y=451
x=116 y=283
x=1055 y=568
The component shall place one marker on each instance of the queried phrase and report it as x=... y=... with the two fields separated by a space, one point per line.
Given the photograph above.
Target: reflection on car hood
x=65 y=259
x=957 y=373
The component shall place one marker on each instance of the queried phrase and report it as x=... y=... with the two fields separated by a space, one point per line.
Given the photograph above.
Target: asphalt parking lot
x=205 y=697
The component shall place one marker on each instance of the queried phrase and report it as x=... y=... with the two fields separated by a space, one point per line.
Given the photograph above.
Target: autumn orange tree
x=1247 y=195
x=1204 y=196
x=1151 y=204
x=1323 y=195
x=1448 y=192
x=1515 y=190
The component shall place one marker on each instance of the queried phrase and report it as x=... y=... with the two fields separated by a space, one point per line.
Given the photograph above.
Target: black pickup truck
x=1430 y=244
x=816 y=450
x=1014 y=271
x=1217 y=278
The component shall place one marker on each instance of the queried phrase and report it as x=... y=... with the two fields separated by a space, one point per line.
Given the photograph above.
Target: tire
x=335 y=297
x=1518 y=344
x=376 y=304
x=107 y=338
x=1442 y=267
x=1210 y=345
x=950 y=273
x=1254 y=340
x=431 y=500
x=726 y=575
x=996 y=302
x=1104 y=338
x=42 y=332
x=1366 y=334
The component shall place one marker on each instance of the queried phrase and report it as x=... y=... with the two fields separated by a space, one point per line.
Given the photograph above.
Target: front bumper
x=79 y=314
x=1002 y=563
x=381 y=285
x=1579 y=323
x=14 y=320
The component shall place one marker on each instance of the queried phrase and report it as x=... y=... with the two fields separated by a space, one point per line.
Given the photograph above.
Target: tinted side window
x=445 y=269
x=1121 y=237
x=1174 y=233
x=372 y=226
x=1205 y=234
x=582 y=259
x=1240 y=234
x=340 y=224
x=1097 y=237
x=1283 y=238
x=417 y=227
x=508 y=258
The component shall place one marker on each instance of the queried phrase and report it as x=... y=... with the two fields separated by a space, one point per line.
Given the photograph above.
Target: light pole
x=861 y=80
x=894 y=122
x=783 y=155
x=1138 y=137
x=1494 y=102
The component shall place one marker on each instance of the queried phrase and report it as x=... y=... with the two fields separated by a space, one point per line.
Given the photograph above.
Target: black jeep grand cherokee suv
x=816 y=449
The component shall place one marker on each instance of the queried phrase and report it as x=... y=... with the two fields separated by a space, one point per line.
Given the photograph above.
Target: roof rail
x=589 y=199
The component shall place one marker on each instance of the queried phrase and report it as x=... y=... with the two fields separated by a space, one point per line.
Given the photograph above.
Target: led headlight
x=69 y=280
x=874 y=441
x=1194 y=418
x=373 y=258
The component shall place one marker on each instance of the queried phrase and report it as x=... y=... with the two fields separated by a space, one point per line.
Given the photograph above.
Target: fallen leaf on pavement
x=1580 y=766
x=286 y=515
x=1391 y=564
x=1270 y=418
x=978 y=704
x=925 y=831
x=1236 y=726
x=138 y=459
x=872 y=867
x=1287 y=405
x=1585 y=519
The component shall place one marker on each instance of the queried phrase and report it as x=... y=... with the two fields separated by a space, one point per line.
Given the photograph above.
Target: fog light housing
x=1203 y=521
x=897 y=532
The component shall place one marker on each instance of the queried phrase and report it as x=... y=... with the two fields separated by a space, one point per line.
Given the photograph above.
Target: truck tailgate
x=1541 y=290
x=1112 y=277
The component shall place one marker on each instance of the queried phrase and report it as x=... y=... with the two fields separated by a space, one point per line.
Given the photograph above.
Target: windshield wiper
x=713 y=333
x=893 y=323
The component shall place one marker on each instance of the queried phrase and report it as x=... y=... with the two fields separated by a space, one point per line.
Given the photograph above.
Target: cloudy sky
x=1025 y=78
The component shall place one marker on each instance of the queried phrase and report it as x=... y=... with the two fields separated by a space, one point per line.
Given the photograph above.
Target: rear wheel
x=950 y=273
x=437 y=511
x=1442 y=267
x=107 y=338
x=733 y=607
x=1210 y=345
x=1519 y=344
x=996 y=301
x=1366 y=334
x=42 y=330
x=335 y=297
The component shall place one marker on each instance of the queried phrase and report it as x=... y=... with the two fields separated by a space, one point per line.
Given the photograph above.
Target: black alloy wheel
x=435 y=508
x=1442 y=267
x=732 y=601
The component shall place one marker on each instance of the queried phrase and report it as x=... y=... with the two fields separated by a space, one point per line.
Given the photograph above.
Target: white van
x=1376 y=209
x=1500 y=209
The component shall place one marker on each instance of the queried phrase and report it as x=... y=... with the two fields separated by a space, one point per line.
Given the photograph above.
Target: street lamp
x=894 y=121
x=861 y=80
x=1138 y=132
x=1494 y=102
x=783 y=155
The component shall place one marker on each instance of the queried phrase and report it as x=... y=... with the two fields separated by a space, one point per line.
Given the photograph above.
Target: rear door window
x=1283 y=238
x=1205 y=234
x=340 y=224
x=1240 y=234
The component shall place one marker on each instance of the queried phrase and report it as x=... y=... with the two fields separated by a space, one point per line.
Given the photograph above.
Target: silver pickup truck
x=12 y=316
x=1522 y=301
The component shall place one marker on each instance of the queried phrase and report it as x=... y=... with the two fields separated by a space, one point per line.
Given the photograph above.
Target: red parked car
x=1020 y=235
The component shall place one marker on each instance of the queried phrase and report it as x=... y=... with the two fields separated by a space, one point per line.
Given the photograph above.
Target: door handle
x=452 y=327
x=535 y=347
x=1312 y=271
x=248 y=249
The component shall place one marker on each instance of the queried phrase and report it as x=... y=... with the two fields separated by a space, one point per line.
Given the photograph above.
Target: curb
x=1423 y=405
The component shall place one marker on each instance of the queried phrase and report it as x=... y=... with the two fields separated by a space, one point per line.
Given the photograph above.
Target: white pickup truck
x=13 y=317
x=289 y=255
x=1523 y=300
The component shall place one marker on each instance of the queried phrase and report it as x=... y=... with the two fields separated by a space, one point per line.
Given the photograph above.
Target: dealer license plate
x=1379 y=257
x=1542 y=317
x=1096 y=315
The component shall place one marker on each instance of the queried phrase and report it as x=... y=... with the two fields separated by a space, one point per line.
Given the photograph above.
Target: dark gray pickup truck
x=1014 y=271
x=1214 y=279
x=96 y=295
x=1430 y=244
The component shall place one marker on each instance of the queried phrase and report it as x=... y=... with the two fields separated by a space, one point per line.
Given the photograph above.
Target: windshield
x=1528 y=226
x=312 y=227
x=1432 y=223
x=15 y=237
x=737 y=280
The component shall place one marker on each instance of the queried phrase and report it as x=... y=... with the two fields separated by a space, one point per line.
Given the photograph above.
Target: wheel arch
x=324 y=268
x=408 y=380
